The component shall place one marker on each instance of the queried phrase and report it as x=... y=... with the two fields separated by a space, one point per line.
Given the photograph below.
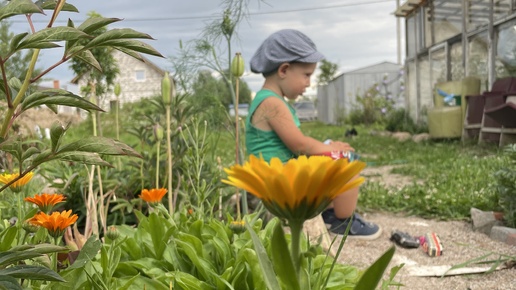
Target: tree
x=98 y=82
x=212 y=97
x=328 y=71
x=17 y=64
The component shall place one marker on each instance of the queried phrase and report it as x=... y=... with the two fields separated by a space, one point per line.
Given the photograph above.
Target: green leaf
x=9 y=257
x=56 y=132
x=265 y=263
x=16 y=40
x=8 y=236
x=94 y=23
x=125 y=45
x=374 y=273
x=282 y=260
x=52 y=34
x=117 y=34
x=46 y=155
x=51 y=5
x=29 y=152
x=88 y=58
x=32 y=273
x=49 y=248
x=100 y=145
x=88 y=253
x=9 y=283
x=82 y=157
x=18 y=7
x=57 y=97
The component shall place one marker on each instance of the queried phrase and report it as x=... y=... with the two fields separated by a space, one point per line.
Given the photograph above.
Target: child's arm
x=279 y=119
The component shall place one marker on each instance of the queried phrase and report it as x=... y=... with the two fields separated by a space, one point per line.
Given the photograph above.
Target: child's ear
x=282 y=69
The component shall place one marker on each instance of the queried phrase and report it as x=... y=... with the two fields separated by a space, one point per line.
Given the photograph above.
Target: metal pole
x=398 y=32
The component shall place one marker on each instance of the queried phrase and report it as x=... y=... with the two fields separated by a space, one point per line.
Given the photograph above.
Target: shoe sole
x=359 y=237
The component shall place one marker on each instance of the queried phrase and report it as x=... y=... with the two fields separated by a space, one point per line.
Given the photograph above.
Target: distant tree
x=211 y=96
x=102 y=81
x=328 y=71
x=16 y=65
x=98 y=83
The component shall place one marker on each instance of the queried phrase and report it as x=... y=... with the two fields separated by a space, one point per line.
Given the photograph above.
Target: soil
x=460 y=244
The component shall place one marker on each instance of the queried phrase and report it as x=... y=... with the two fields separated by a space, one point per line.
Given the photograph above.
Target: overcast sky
x=351 y=33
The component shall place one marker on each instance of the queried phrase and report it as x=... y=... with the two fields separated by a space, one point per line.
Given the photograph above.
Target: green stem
x=157 y=164
x=169 y=164
x=19 y=97
x=296 y=228
x=54 y=255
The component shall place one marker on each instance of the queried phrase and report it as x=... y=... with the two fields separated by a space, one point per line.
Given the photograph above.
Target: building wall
x=137 y=80
x=339 y=97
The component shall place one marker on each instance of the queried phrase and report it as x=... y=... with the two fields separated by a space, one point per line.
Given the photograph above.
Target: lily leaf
x=374 y=273
x=51 y=5
x=94 y=23
x=52 y=34
x=117 y=34
x=88 y=58
x=16 y=40
x=32 y=273
x=82 y=157
x=57 y=97
x=100 y=145
x=18 y=7
x=56 y=132
x=8 y=282
x=130 y=44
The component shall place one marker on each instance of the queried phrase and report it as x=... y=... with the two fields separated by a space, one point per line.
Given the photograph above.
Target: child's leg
x=344 y=205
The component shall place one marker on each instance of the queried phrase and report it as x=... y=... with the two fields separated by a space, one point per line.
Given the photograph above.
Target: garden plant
x=112 y=230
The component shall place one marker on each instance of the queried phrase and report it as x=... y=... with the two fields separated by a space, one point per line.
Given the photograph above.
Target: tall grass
x=448 y=177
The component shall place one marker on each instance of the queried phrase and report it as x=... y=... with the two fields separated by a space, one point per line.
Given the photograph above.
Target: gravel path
x=460 y=244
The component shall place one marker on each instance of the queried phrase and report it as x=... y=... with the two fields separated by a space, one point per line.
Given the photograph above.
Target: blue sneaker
x=360 y=229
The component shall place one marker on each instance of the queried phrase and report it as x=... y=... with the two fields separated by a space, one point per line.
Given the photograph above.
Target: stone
x=502 y=234
x=402 y=136
x=483 y=221
x=421 y=137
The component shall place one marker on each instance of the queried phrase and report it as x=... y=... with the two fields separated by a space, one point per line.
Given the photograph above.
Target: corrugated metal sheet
x=339 y=97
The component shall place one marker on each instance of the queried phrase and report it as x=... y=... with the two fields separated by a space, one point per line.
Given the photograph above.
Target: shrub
x=400 y=121
x=506 y=185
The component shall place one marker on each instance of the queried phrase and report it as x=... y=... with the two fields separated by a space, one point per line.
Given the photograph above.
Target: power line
x=218 y=16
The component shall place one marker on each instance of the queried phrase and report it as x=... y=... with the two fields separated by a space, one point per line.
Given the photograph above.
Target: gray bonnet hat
x=287 y=45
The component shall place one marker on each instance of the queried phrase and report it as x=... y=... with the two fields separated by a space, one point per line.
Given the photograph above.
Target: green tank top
x=267 y=143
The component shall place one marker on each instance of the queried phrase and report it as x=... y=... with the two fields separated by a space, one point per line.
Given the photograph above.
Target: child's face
x=297 y=79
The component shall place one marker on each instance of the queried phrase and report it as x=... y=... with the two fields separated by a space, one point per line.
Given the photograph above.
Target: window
x=139 y=75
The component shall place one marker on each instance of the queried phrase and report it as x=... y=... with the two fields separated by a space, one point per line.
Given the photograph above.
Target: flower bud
x=168 y=89
x=158 y=132
x=237 y=226
x=30 y=228
x=117 y=89
x=112 y=233
x=237 y=65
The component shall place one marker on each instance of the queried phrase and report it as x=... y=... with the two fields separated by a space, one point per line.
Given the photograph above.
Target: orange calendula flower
x=56 y=223
x=18 y=184
x=46 y=201
x=299 y=189
x=154 y=195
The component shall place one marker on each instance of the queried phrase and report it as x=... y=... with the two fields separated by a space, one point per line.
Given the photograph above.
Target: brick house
x=137 y=79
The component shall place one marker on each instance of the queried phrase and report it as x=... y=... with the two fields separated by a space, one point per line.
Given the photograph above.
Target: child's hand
x=340 y=146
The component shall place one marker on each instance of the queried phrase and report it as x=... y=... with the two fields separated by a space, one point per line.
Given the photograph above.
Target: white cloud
x=352 y=33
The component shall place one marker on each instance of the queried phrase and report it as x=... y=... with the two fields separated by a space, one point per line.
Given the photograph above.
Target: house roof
x=408 y=7
x=149 y=63
x=369 y=68
x=452 y=11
